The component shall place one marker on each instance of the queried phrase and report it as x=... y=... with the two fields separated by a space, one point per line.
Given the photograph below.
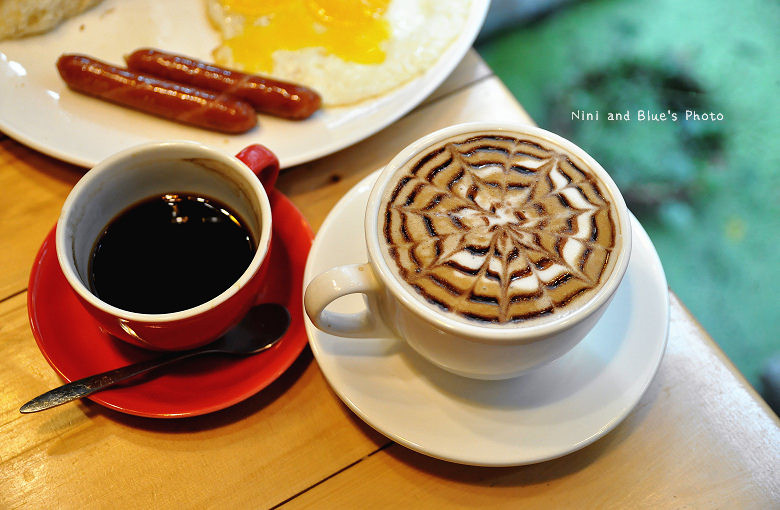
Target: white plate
x=552 y=411
x=38 y=110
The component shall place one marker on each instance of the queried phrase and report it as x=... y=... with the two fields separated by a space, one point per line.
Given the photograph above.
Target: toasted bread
x=19 y=18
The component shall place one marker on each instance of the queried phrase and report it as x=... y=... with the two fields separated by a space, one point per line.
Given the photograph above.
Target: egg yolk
x=353 y=30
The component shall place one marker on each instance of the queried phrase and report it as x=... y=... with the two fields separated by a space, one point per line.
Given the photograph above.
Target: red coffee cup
x=243 y=183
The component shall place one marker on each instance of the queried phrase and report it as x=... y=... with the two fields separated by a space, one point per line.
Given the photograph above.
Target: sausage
x=274 y=97
x=150 y=94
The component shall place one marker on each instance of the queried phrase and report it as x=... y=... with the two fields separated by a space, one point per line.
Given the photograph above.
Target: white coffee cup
x=472 y=350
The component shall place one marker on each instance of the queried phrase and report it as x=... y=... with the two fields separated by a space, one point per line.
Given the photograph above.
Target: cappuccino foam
x=498 y=229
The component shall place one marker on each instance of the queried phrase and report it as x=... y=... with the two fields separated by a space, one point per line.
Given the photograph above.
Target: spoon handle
x=89 y=385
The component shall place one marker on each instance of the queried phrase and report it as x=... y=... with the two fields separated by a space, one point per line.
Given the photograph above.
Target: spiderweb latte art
x=497 y=229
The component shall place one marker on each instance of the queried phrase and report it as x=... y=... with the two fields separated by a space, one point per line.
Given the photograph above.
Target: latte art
x=498 y=229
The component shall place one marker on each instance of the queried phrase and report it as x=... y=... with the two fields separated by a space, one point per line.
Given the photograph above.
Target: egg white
x=421 y=30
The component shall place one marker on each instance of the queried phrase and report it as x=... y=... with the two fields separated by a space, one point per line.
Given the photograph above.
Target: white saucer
x=547 y=413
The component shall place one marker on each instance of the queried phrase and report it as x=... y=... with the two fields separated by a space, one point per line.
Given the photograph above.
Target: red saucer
x=74 y=346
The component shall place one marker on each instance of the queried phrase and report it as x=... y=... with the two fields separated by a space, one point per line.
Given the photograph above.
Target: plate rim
x=422 y=86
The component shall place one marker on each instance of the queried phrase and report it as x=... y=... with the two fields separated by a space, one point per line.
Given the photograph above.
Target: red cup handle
x=263 y=163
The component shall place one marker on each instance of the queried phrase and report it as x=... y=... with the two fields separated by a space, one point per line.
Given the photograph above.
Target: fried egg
x=347 y=50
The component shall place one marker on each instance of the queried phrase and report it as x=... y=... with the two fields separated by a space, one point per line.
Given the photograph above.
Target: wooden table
x=699 y=438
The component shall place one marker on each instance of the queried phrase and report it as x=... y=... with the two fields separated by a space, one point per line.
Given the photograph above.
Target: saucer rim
x=657 y=272
x=294 y=347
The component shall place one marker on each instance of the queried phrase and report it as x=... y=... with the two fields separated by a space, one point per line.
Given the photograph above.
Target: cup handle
x=335 y=283
x=262 y=162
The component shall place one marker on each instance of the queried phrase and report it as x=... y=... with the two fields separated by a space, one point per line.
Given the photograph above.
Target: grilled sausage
x=274 y=97
x=182 y=103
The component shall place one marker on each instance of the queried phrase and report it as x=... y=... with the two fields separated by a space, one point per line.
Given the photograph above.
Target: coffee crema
x=499 y=229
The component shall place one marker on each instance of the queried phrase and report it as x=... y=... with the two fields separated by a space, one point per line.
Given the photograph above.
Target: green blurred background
x=708 y=193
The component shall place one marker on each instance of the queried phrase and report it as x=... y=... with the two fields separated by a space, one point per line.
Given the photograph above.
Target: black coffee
x=169 y=253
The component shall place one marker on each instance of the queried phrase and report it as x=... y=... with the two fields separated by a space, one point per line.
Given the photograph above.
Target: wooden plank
x=470 y=70
x=32 y=190
x=316 y=187
x=699 y=438
x=255 y=454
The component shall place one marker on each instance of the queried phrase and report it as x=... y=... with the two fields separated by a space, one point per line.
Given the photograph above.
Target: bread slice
x=19 y=18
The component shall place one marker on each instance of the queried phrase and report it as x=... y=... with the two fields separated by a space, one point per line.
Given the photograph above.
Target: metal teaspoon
x=262 y=327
